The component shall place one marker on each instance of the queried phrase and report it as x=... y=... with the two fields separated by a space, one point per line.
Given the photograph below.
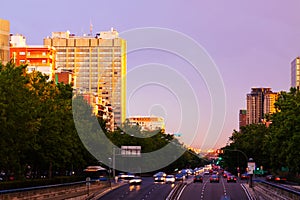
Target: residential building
x=148 y=123
x=4 y=40
x=105 y=112
x=242 y=118
x=269 y=100
x=37 y=58
x=64 y=76
x=259 y=103
x=295 y=73
x=98 y=64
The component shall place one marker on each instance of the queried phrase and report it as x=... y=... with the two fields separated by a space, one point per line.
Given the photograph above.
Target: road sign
x=88 y=181
x=131 y=151
x=251 y=167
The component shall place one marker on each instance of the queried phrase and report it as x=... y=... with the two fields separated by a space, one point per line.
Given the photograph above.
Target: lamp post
x=251 y=168
x=246 y=157
x=114 y=162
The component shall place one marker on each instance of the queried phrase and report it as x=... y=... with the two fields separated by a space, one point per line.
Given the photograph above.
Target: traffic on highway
x=199 y=183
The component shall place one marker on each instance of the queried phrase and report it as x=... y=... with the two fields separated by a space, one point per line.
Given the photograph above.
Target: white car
x=135 y=180
x=170 y=179
x=206 y=173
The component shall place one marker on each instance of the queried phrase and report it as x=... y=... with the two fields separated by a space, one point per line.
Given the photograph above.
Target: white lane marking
x=224 y=188
x=181 y=192
x=203 y=189
x=246 y=192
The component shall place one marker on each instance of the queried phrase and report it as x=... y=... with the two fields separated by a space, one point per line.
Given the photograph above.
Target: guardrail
x=274 y=190
x=40 y=187
x=56 y=191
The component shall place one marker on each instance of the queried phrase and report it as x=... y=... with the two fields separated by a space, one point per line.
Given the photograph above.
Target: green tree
x=284 y=138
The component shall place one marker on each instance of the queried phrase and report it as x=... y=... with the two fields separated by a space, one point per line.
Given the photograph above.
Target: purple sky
x=251 y=43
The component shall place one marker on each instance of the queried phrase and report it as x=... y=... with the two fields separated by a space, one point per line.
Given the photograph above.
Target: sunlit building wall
x=64 y=76
x=269 y=101
x=98 y=64
x=259 y=103
x=148 y=123
x=4 y=40
x=295 y=73
x=37 y=58
x=242 y=118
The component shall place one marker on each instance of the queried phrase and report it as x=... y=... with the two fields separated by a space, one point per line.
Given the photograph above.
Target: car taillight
x=277 y=179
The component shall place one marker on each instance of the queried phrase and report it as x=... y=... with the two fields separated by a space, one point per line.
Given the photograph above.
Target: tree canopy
x=38 y=134
x=276 y=147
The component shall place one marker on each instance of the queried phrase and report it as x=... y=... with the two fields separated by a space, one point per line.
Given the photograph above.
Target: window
x=43 y=61
x=22 y=53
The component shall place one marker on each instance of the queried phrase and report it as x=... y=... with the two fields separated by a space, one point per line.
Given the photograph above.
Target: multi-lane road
x=159 y=191
x=147 y=190
x=207 y=190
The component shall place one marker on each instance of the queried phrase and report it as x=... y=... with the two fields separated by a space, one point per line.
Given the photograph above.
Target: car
x=215 y=172
x=160 y=174
x=280 y=179
x=214 y=178
x=225 y=174
x=244 y=176
x=170 y=179
x=159 y=179
x=136 y=180
x=270 y=178
x=198 y=178
x=125 y=176
x=179 y=177
x=231 y=178
x=206 y=173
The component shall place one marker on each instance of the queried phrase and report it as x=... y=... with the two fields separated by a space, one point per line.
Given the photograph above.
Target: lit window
x=43 y=61
x=22 y=53
x=22 y=61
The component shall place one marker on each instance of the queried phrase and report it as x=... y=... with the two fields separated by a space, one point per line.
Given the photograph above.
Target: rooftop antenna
x=91 y=28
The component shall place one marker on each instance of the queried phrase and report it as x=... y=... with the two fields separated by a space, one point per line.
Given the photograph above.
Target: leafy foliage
x=37 y=128
x=274 y=147
x=38 y=134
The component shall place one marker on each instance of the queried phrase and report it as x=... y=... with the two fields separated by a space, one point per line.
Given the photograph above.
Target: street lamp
x=222 y=151
x=251 y=168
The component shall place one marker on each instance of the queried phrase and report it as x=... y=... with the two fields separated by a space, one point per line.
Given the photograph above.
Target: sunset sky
x=252 y=44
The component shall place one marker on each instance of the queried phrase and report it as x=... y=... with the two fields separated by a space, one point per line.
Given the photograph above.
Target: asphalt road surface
x=149 y=190
x=214 y=191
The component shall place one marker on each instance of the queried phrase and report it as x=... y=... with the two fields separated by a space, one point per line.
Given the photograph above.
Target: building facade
x=295 y=73
x=38 y=58
x=242 y=118
x=64 y=76
x=98 y=64
x=4 y=40
x=269 y=100
x=259 y=103
x=148 y=123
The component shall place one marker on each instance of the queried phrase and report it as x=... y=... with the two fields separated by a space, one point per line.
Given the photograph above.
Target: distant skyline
x=252 y=44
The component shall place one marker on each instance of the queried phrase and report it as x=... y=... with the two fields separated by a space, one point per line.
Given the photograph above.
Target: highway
x=147 y=190
x=159 y=191
x=217 y=191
